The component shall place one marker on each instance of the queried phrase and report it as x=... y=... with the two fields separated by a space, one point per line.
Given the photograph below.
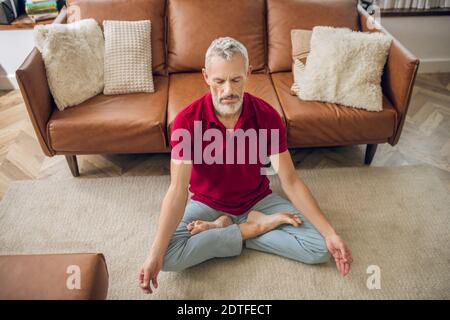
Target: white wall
x=15 y=45
x=428 y=37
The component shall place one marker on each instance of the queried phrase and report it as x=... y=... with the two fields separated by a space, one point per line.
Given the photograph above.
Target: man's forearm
x=172 y=210
x=302 y=198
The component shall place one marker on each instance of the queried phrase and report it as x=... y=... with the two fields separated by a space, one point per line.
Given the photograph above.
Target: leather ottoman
x=77 y=276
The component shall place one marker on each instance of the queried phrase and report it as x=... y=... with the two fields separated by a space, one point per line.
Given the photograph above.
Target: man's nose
x=227 y=89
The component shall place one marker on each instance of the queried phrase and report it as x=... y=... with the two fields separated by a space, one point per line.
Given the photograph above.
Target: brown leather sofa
x=71 y=276
x=181 y=33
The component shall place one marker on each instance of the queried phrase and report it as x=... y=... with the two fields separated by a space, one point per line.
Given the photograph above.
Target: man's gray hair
x=226 y=47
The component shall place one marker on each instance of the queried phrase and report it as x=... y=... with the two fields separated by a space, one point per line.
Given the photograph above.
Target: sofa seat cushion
x=184 y=88
x=54 y=276
x=129 y=123
x=194 y=24
x=128 y=10
x=314 y=123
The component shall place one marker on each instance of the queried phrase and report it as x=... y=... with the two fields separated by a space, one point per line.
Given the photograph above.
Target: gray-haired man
x=232 y=203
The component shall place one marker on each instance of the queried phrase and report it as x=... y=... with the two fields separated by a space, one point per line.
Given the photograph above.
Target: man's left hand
x=340 y=252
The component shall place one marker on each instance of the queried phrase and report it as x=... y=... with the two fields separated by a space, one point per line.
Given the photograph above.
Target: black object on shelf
x=9 y=10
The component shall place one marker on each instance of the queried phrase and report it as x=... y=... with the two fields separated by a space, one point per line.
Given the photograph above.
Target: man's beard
x=227 y=109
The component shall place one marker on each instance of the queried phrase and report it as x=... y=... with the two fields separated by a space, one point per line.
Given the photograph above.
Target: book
x=37 y=11
x=43 y=16
x=29 y=5
x=41 y=7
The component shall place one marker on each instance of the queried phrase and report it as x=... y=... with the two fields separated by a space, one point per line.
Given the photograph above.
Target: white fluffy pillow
x=345 y=67
x=73 y=57
x=128 y=57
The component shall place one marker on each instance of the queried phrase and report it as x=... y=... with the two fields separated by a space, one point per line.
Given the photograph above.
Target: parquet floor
x=425 y=139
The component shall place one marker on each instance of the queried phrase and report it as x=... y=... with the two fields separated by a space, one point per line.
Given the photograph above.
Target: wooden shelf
x=415 y=12
x=23 y=22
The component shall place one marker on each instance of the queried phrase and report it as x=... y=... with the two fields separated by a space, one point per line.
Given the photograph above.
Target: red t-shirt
x=227 y=181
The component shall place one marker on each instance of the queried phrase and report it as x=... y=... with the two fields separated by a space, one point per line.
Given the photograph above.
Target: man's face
x=226 y=79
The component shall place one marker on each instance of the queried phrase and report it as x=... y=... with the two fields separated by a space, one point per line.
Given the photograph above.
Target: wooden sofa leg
x=73 y=165
x=370 y=152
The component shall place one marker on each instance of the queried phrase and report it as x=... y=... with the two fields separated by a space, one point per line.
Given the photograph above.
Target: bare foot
x=267 y=222
x=198 y=226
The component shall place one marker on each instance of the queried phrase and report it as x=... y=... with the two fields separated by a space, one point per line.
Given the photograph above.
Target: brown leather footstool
x=53 y=276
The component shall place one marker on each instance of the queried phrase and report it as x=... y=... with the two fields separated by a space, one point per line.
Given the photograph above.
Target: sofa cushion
x=73 y=55
x=345 y=67
x=129 y=10
x=130 y=123
x=301 y=44
x=128 y=57
x=194 y=24
x=48 y=276
x=285 y=15
x=313 y=123
x=184 y=88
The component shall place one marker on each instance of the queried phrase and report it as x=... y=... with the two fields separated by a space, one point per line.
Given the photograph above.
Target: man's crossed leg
x=272 y=225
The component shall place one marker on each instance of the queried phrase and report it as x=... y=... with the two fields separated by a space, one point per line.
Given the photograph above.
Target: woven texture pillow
x=345 y=67
x=73 y=58
x=128 y=57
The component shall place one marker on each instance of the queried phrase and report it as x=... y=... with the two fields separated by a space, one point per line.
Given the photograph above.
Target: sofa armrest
x=398 y=76
x=32 y=80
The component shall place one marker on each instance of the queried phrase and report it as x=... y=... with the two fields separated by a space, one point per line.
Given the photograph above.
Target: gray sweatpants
x=303 y=243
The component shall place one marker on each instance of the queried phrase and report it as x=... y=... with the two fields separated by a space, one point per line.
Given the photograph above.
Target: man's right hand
x=149 y=273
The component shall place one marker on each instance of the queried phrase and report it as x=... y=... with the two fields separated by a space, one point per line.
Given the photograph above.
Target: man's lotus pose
x=232 y=203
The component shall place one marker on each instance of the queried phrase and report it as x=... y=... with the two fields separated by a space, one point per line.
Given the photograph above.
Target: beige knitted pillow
x=128 y=57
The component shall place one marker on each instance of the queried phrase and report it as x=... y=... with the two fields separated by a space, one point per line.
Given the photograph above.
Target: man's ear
x=249 y=71
x=205 y=76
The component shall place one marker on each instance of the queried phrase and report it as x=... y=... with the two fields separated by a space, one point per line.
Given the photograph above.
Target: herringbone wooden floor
x=425 y=139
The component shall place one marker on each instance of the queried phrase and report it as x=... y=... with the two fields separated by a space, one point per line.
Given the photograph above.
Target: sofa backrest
x=284 y=15
x=153 y=10
x=194 y=24
x=182 y=30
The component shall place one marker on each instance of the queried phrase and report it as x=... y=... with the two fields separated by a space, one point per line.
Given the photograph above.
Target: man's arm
x=173 y=206
x=302 y=198
x=172 y=211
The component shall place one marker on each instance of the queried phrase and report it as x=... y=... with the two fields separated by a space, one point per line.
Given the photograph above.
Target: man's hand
x=149 y=272
x=340 y=252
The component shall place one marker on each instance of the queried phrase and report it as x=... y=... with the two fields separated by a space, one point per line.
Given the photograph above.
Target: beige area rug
x=396 y=218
